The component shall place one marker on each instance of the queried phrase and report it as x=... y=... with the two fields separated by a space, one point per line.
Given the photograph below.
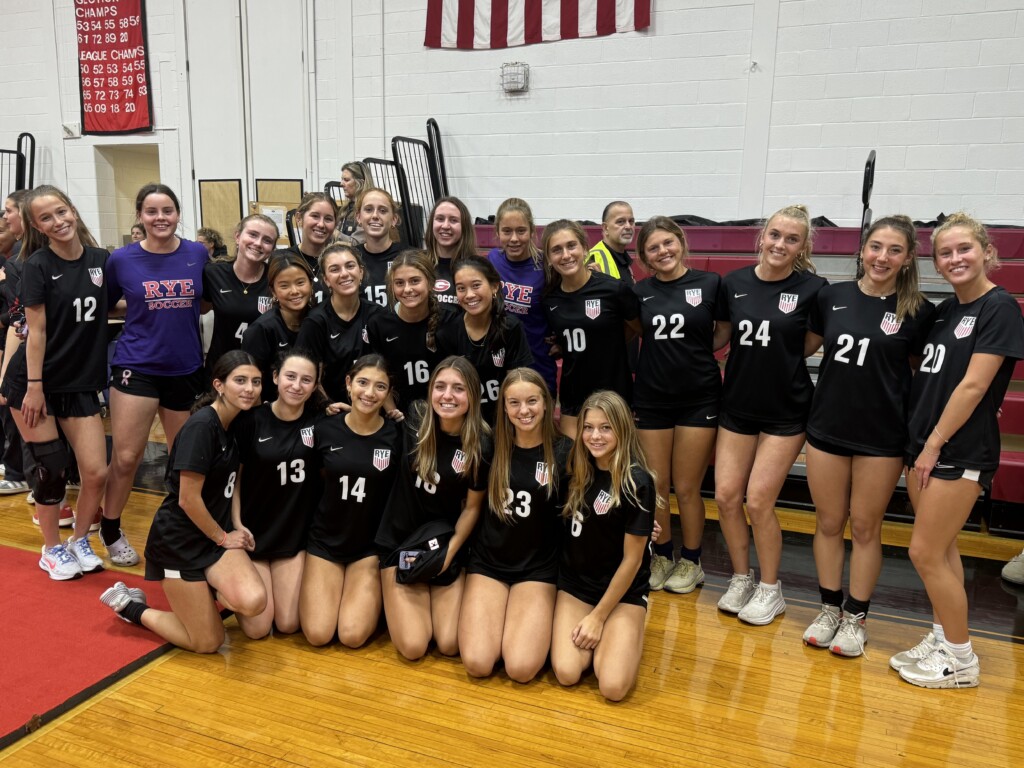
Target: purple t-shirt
x=523 y=283
x=161 y=328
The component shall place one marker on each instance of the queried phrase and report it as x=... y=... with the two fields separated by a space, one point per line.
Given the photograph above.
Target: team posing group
x=378 y=430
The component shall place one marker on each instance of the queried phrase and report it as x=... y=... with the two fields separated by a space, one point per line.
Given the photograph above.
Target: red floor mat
x=59 y=644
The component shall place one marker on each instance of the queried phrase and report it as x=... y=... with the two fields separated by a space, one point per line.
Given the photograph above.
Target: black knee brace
x=51 y=460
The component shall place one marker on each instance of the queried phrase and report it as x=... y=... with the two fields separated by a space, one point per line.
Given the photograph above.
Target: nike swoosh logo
x=645 y=298
x=191 y=263
x=56 y=277
x=944 y=466
x=709 y=418
x=836 y=309
x=336 y=448
x=282 y=343
x=225 y=290
x=335 y=335
x=264 y=439
x=738 y=295
x=940 y=321
x=392 y=338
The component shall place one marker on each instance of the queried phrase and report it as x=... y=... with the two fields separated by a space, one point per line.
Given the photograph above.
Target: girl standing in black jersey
x=278 y=486
x=377 y=216
x=317 y=217
x=193 y=549
x=449 y=238
x=360 y=452
x=55 y=375
x=488 y=337
x=872 y=330
x=952 y=452
x=276 y=330
x=335 y=331
x=443 y=477
x=677 y=392
x=236 y=288
x=766 y=396
x=407 y=337
x=589 y=314
x=605 y=568
x=513 y=567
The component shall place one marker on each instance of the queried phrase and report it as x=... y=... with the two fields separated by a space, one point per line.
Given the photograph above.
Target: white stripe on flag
x=625 y=19
x=588 y=19
x=482 y=24
x=449 y=23
x=551 y=14
x=516 y=22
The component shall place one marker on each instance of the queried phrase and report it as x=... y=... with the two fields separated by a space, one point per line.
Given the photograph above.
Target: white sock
x=940 y=636
x=962 y=651
x=771 y=587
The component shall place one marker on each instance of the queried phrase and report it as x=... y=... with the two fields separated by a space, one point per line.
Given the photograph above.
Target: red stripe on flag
x=433 y=38
x=570 y=19
x=499 y=23
x=641 y=14
x=534 y=21
x=464 y=35
x=605 y=17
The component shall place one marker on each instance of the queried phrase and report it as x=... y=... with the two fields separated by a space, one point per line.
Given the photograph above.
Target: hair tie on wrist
x=34 y=381
x=224 y=540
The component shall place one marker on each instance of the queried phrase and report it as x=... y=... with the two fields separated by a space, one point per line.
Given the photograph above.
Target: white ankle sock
x=962 y=651
x=940 y=636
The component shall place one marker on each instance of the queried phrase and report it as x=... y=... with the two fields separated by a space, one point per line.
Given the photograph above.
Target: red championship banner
x=113 y=68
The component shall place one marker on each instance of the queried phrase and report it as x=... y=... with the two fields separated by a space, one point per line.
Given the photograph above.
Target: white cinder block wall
x=723 y=108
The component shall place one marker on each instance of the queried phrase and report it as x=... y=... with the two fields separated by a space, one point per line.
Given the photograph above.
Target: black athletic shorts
x=839 y=450
x=324 y=553
x=671 y=416
x=944 y=471
x=743 y=426
x=175 y=393
x=548 y=575
x=60 y=405
x=156 y=572
x=588 y=594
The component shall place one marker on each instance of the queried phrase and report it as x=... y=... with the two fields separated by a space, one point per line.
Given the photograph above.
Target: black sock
x=831 y=597
x=853 y=606
x=133 y=612
x=693 y=555
x=665 y=550
x=110 y=530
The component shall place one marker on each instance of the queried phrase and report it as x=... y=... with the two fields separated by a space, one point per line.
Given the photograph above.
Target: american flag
x=307 y=436
x=459 y=461
x=593 y=308
x=482 y=24
x=381 y=458
x=694 y=296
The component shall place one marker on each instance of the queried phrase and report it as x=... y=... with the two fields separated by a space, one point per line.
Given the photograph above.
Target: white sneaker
x=851 y=636
x=1013 y=571
x=59 y=564
x=741 y=588
x=824 y=627
x=661 y=567
x=943 y=669
x=763 y=606
x=685 y=577
x=915 y=654
x=121 y=552
x=81 y=550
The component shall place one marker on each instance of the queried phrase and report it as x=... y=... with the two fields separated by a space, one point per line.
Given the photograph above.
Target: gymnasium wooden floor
x=711 y=692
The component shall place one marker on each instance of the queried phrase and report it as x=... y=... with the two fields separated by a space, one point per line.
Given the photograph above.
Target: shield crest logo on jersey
x=96 y=275
x=602 y=503
x=965 y=328
x=787 y=302
x=307 y=436
x=264 y=303
x=381 y=458
x=459 y=461
x=593 y=308
x=543 y=474
x=694 y=297
x=498 y=357
x=890 y=324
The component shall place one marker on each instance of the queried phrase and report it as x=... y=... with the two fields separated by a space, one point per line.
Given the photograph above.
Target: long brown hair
x=505 y=442
x=908 y=293
x=467 y=241
x=420 y=261
x=627 y=455
x=473 y=426
x=552 y=279
x=33 y=239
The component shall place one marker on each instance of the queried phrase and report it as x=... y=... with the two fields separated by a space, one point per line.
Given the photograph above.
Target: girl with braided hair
x=490 y=339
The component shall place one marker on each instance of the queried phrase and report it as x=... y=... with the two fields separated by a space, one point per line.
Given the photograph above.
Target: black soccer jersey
x=336 y=343
x=490 y=364
x=280 y=483
x=359 y=472
x=266 y=338
x=375 y=285
x=589 y=325
x=204 y=447
x=414 y=501
x=235 y=305
x=444 y=286
x=75 y=301
x=528 y=540
x=677 y=358
x=593 y=539
x=766 y=376
x=404 y=346
x=320 y=290
x=860 y=401
x=991 y=324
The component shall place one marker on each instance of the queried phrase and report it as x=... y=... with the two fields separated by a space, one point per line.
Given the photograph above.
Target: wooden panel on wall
x=279 y=191
x=221 y=207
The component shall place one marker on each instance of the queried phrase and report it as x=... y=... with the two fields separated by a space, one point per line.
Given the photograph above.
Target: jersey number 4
x=762 y=334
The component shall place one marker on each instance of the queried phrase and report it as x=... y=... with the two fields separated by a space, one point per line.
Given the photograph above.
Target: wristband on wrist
x=223 y=541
